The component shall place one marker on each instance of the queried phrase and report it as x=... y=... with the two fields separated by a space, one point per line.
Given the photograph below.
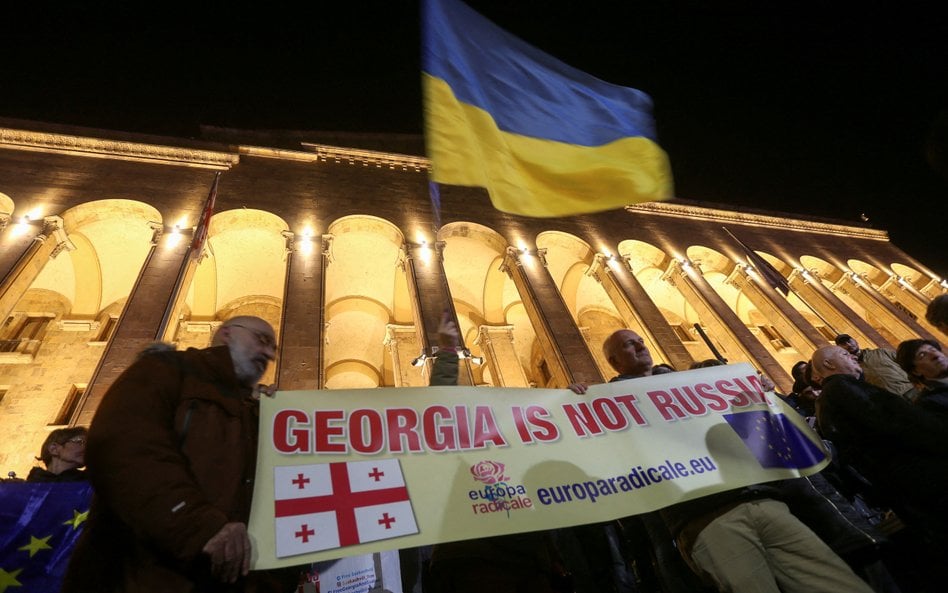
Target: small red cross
x=305 y=532
x=375 y=473
x=386 y=521
x=300 y=481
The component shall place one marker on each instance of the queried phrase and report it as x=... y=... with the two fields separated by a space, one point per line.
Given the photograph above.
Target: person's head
x=703 y=364
x=662 y=368
x=798 y=372
x=937 y=313
x=922 y=360
x=64 y=448
x=833 y=360
x=252 y=345
x=626 y=352
x=808 y=376
x=798 y=369
x=847 y=343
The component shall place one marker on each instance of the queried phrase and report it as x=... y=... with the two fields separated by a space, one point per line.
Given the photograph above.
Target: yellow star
x=77 y=519
x=36 y=544
x=8 y=579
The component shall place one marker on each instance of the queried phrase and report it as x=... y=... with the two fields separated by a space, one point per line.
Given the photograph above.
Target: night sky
x=808 y=108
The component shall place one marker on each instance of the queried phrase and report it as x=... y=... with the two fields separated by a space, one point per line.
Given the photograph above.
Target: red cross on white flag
x=333 y=505
x=302 y=481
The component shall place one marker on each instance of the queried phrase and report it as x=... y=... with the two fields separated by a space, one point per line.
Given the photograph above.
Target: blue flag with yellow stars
x=39 y=526
x=774 y=440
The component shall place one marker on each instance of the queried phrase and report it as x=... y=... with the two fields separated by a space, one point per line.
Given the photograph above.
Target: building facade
x=345 y=252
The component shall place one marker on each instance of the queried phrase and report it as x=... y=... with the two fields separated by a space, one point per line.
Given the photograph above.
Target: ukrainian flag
x=544 y=138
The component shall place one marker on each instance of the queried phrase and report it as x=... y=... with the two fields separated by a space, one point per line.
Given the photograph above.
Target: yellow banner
x=359 y=471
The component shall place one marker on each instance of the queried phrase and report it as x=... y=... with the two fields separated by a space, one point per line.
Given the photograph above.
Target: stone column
x=403 y=345
x=301 y=326
x=724 y=324
x=789 y=322
x=496 y=341
x=907 y=299
x=34 y=252
x=566 y=352
x=623 y=288
x=838 y=316
x=934 y=288
x=140 y=324
x=894 y=320
x=431 y=297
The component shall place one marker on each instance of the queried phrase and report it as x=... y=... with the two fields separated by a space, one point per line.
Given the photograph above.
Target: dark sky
x=803 y=107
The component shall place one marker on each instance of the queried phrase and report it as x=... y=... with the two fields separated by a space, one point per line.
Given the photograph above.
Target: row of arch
x=370 y=328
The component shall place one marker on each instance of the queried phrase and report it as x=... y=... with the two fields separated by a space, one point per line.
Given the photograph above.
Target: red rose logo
x=489 y=472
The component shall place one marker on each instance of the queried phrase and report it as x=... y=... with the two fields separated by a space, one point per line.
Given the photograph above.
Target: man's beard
x=247 y=369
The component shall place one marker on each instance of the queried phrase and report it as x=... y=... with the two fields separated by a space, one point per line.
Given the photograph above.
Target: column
x=566 y=352
x=907 y=299
x=403 y=346
x=34 y=251
x=431 y=297
x=298 y=366
x=142 y=319
x=623 y=288
x=724 y=324
x=496 y=341
x=894 y=320
x=837 y=314
x=934 y=288
x=789 y=322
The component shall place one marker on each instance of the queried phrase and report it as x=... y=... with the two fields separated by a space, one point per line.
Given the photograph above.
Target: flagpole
x=750 y=254
x=709 y=343
x=189 y=263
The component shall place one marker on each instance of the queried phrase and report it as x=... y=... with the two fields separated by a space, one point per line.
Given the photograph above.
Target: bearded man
x=172 y=455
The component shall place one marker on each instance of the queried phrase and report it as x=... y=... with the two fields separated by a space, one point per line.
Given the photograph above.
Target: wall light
x=174 y=236
x=305 y=245
x=22 y=226
x=425 y=252
x=420 y=361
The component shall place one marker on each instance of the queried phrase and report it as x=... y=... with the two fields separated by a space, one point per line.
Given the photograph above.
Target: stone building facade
x=345 y=253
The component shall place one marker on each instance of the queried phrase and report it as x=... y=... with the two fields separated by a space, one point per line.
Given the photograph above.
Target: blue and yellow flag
x=543 y=138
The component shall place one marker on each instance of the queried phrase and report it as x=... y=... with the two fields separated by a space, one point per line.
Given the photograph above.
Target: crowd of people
x=171 y=455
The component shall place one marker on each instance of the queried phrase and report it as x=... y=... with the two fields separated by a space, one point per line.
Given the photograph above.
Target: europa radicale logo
x=496 y=495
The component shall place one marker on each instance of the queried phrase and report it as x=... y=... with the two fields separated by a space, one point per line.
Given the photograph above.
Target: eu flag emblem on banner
x=774 y=440
x=543 y=138
x=39 y=526
x=333 y=505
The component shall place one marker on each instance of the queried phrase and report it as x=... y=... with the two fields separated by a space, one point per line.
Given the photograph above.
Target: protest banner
x=352 y=472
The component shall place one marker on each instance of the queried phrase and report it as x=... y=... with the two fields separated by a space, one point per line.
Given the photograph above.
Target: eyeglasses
x=265 y=339
x=76 y=440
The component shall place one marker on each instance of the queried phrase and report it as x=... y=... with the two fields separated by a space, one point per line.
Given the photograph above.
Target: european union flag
x=39 y=526
x=774 y=440
x=544 y=138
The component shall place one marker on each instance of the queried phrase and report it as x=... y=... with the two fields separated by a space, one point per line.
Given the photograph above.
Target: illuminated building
x=343 y=252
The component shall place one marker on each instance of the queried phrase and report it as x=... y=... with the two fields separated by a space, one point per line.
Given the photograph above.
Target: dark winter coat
x=900 y=448
x=171 y=456
x=38 y=474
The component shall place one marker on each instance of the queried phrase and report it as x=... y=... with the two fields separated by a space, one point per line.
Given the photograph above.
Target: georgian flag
x=333 y=505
